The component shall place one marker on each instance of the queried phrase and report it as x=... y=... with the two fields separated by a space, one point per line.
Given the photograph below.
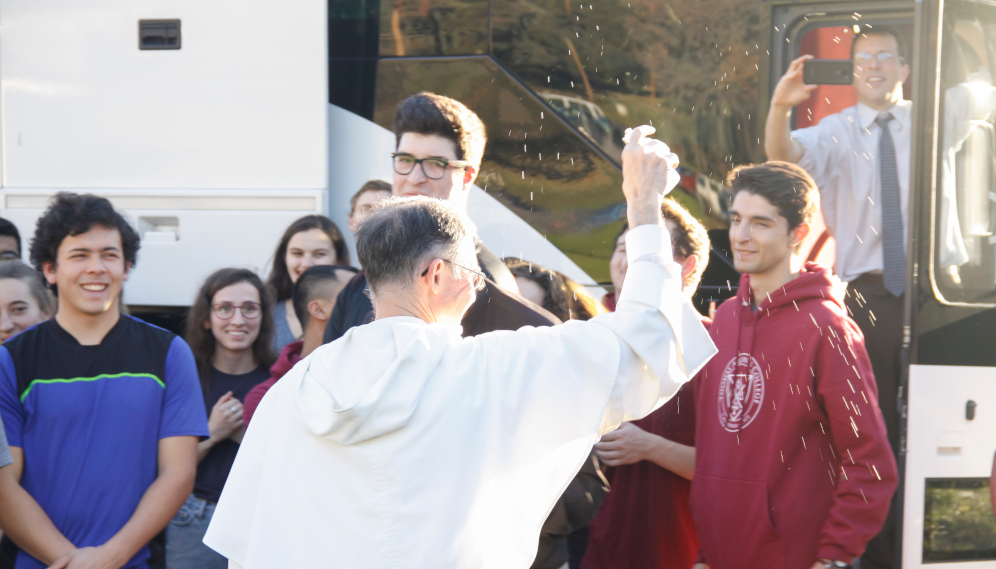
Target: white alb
x=404 y=445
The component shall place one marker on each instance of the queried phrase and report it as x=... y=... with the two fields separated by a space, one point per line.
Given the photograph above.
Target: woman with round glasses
x=230 y=331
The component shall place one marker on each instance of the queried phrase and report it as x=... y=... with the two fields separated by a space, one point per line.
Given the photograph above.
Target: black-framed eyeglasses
x=249 y=310
x=477 y=279
x=433 y=168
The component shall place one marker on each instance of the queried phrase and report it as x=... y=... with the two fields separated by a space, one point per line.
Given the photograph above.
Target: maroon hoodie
x=290 y=355
x=792 y=462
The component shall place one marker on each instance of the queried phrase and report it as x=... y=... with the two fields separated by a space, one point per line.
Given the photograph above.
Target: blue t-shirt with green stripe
x=89 y=419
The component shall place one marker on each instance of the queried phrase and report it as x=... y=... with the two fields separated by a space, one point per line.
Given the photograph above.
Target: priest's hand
x=649 y=173
x=626 y=445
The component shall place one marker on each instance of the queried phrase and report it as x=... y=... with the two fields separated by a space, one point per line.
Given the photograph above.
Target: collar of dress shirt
x=900 y=111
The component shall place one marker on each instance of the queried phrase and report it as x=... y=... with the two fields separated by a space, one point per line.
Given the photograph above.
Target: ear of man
x=320 y=309
x=798 y=235
x=688 y=265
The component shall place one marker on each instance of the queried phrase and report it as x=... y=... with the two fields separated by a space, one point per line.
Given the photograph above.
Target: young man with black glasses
x=102 y=411
x=440 y=144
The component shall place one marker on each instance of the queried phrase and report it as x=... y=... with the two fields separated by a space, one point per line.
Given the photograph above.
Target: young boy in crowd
x=364 y=200
x=103 y=409
x=314 y=297
x=793 y=465
x=646 y=522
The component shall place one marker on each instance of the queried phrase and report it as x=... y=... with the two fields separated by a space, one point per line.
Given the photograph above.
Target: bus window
x=964 y=262
x=425 y=28
x=610 y=65
x=958 y=521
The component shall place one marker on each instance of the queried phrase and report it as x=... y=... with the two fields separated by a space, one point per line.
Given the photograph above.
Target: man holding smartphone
x=860 y=160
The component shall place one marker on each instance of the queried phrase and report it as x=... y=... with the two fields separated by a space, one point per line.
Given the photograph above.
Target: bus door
x=951 y=390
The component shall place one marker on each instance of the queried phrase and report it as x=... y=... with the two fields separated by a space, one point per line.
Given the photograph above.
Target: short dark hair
x=74 y=214
x=312 y=284
x=429 y=113
x=690 y=238
x=866 y=30
x=201 y=340
x=10 y=230
x=786 y=186
x=371 y=186
x=403 y=234
x=280 y=283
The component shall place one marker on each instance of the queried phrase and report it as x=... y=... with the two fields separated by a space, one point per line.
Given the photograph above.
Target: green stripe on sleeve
x=94 y=378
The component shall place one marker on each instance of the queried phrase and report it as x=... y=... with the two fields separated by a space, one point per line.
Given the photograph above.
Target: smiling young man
x=102 y=411
x=792 y=464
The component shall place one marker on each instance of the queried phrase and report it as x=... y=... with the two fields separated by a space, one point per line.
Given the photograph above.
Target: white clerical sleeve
x=585 y=378
x=662 y=342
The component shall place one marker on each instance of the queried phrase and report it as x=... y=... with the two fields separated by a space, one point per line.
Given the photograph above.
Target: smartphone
x=828 y=72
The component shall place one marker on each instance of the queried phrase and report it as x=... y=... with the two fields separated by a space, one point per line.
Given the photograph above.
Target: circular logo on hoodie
x=741 y=392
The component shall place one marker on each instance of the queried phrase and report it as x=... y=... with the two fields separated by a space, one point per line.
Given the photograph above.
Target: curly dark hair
x=201 y=340
x=279 y=283
x=75 y=214
x=562 y=296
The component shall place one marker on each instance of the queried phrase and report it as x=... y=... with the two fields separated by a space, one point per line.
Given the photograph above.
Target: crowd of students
x=121 y=435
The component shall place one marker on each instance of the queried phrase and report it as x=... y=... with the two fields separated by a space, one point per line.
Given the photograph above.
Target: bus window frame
x=934 y=91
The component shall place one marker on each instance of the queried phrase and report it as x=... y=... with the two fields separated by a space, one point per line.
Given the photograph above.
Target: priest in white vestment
x=403 y=444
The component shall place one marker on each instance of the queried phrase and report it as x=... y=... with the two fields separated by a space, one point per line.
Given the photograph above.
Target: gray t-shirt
x=5 y=457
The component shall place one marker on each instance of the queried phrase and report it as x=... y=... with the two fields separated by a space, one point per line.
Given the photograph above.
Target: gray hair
x=32 y=278
x=404 y=234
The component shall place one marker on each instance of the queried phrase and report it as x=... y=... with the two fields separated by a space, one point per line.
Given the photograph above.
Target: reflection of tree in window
x=433 y=27
x=646 y=61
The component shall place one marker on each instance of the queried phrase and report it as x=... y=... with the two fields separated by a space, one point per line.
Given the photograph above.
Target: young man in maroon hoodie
x=314 y=297
x=793 y=468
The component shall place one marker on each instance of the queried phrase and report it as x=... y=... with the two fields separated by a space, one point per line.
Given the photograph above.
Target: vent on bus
x=159 y=34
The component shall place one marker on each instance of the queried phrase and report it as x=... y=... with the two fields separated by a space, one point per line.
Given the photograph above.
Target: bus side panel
x=948 y=515
x=241 y=104
x=186 y=234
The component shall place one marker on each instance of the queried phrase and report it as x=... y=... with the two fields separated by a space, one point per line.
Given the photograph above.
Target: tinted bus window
x=964 y=262
x=627 y=62
x=433 y=27
x=958 y=522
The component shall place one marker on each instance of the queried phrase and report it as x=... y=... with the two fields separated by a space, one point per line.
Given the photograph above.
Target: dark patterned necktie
x=893 y=249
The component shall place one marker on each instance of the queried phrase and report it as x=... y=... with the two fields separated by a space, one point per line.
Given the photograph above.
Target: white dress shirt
x=841 y=154
x=402 y=444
